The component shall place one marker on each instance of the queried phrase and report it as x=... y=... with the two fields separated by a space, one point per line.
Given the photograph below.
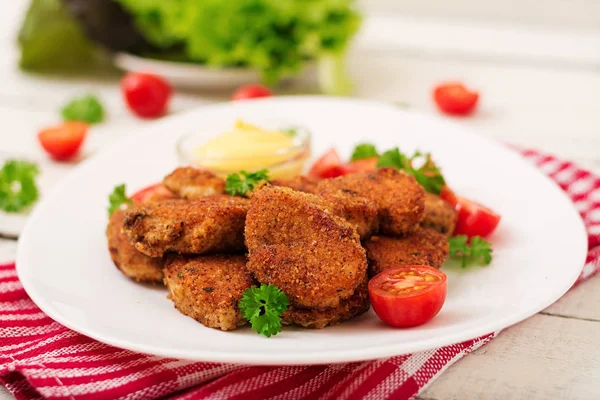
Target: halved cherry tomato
x=448 y=196
x=364 y=165
x=408 y=296
x=63 y=141
x=474 y=219
x=329 y=165
x=251 y=91
x=157 y=191
x=455 y=98
x=146 y=95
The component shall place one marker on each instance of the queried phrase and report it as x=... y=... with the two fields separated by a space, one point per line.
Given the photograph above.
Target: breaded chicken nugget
x=423 y=247
x=126 y=258
x=298 y=245
x=206 y=225
x=359 y=210
x=281 y=215
x=300 y=183
x=208 y=288
x=193 y=183
x=439 y=215
x=349 y=308
x=398 y=196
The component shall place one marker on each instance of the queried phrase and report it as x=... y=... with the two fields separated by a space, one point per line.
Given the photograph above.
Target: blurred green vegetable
x=276 y=37
x=51 y=40
x=85 y=108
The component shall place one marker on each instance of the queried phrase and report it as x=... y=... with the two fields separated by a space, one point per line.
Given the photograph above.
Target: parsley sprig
x=420 y=165
x=364 y=150
x=117 y=199
x=18 y=188
x=86 y=108
x=263 y=306
x=477 y=250
x=244 y=182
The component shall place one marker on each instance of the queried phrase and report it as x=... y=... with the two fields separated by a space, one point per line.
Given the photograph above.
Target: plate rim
x=305 y=357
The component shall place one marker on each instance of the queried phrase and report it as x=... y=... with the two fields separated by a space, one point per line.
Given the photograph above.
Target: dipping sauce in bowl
x=248 y=147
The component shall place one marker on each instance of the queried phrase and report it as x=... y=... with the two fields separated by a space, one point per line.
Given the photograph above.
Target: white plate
x=539 y=247
x=190 y=75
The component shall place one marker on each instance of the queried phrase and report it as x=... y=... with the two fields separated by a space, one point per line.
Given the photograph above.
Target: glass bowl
x=282 y=164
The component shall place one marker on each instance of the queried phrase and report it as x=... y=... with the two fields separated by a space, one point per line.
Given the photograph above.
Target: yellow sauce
x=248 y=147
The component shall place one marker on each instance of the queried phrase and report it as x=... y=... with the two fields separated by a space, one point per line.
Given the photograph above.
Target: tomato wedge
x=63 y=142
x=364 y=165
x=408 y=296
x=157 y=191
x=448 y=196
x=474 y=219
x=454 y=98
x=329 y=165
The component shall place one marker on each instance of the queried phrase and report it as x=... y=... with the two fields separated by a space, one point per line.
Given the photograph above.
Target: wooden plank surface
x=542 y=358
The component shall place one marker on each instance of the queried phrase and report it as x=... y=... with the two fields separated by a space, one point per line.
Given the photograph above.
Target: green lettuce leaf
x=275 y=37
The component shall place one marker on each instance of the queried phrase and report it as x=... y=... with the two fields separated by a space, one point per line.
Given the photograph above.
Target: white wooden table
x=539 y=88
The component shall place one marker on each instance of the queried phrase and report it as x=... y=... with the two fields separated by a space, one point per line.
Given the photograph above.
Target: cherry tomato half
x=329 y=165
x=157 y=191
x=63 y=142
x=455 y=98
x=146 y=95
x=251 y=91
x=408 y=296
x=474 y=219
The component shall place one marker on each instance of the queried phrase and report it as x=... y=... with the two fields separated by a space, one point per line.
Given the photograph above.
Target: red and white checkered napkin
x=40 y=358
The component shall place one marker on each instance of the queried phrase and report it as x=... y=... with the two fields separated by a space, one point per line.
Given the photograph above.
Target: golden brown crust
x=349 y=308
x=193 y=183
x=439 y=215
x=359 y=210
x=398 y=196
x=298 y=245
x=126 y=258
x=423 y=247
x=206 y=225
x=209 y=288
x=300 y=183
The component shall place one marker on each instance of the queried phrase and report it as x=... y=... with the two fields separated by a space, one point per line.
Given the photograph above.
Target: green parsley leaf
x=117 y=199
x=393 y=158
x=263 y=306
x=364 y=150
x=478 y=250
x=86 y=108
x=18 y=188
x=427 y=173
x=244 y=182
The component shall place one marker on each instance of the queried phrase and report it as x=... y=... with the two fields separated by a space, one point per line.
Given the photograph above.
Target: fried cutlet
x=206 y=225
x=193 y=183
x=209 y=288
x=300 y=183
x=398 y=196
x=439 y=215
x=349 y=308
x=297 y=244
x=423 y=247
x=359 y=210
x=126 y=258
